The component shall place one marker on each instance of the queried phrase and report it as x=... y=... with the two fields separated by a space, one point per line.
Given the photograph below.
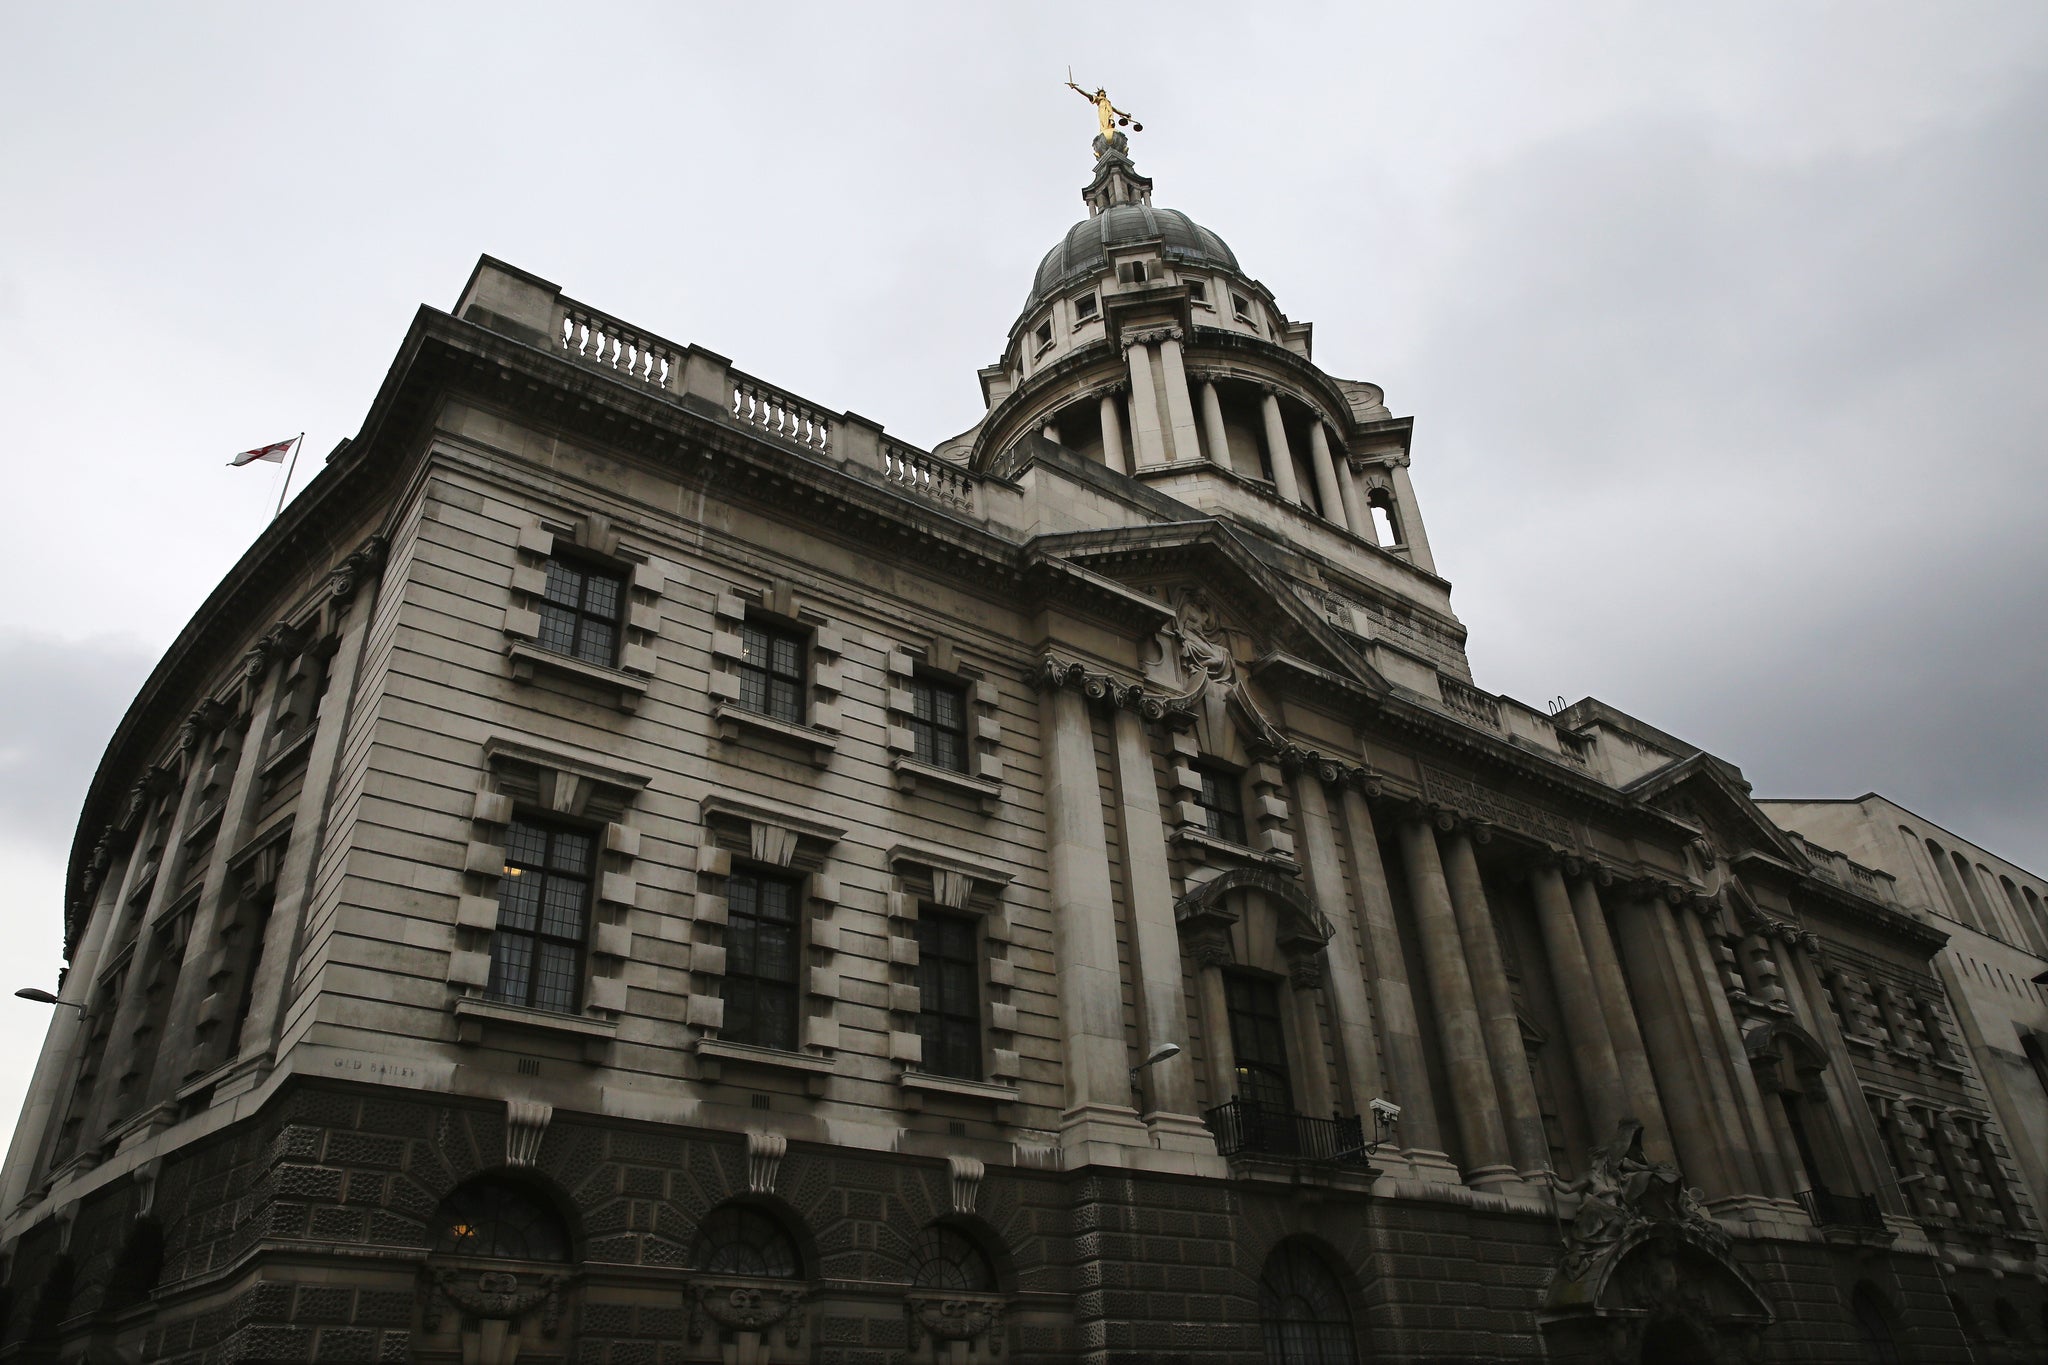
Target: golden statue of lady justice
x=1107 y=114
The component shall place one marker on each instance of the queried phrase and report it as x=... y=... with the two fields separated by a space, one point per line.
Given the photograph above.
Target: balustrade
x=605 y=342
x=1468 y=702
x=1248 y=1128
x=927 y=476
x=768 y=408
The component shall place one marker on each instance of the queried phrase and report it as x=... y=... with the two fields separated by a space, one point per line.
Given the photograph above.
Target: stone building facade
x=633 y=868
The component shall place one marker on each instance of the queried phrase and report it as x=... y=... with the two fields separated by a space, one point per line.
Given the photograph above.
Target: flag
x=273 y=453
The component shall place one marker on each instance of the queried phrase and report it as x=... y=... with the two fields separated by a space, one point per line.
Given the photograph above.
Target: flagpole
x=288 y=475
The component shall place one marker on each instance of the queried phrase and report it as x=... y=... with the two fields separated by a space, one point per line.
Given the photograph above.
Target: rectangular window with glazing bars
x=543 y=912
x=762 y=958
x=938 y=724
x=1222 y=803
x=579 y=613
x=771 y=671
x=949 y=994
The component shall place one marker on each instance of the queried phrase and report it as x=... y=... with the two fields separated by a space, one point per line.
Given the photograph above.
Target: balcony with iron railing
x=1247 y=1128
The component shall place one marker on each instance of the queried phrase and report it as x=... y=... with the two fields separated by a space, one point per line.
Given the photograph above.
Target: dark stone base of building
x=332 y=1227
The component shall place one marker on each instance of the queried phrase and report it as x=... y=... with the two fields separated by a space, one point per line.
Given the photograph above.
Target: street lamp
x=43 y=997
x=1158 y=1055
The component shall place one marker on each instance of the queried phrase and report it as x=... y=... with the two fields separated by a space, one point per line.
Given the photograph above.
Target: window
x=1222 y=803
x=736 y=1240
x=1042 y=334
x=949 y=995
x=771 y=671
x=1303 y=1312
x=543 y=907
x=579 y=613
x=1198 y=292
x=938 y=724
x=1131 y=272
x=1258 y=1040
x=945 y=1258
x=1085 y=308
x=761 y=960
x=1241 y=306
x=498 y=1219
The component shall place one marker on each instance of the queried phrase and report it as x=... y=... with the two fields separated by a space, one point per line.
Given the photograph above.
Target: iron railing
x=1831 y=1210
x=1248 y=1128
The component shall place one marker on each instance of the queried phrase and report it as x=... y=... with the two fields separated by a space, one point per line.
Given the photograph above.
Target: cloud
x=1749 y=444
x=59 y=703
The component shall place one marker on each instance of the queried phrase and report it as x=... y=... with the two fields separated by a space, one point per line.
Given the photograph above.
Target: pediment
x=1699 y=790
x=1202 y=566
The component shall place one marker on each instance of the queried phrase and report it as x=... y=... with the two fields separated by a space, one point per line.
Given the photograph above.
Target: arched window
x=737 y=1240
x=1302 y=1309
x=946 y=1258
x=499 y=1219
x=1874 y=1325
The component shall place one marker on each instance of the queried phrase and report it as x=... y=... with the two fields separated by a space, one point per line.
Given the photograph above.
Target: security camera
x=1385 y=1112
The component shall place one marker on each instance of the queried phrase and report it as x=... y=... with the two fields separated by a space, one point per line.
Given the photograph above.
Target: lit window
x=1222 y=803
x=579 y=615
x=771 y=672
x=761 y=960
x=949 y=994
x=1259 y=1041
x=938 y=724
x=499 y=1220
x=543 y=900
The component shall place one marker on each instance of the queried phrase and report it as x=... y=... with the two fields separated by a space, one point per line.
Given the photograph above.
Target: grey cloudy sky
x=1721 y=324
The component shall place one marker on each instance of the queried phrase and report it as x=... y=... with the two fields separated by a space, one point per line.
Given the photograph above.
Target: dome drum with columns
x=1145 y=348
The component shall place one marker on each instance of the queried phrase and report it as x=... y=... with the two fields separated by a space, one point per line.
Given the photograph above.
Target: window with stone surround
x=762 y=959
x=1222 y=802
x=579 y=612
x=949 y=992
x=938 y=723
x=735 y=1239
x=776 y=670
x=1198 y=293
x=946 y=1258
x=1302 y=1310
x=499 y=1220
x=1086 y=309
x=771 y=671
x=1258 y=1040
x=543 y=912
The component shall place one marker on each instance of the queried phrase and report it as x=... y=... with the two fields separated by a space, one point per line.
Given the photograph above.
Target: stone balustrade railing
x=779 y=413
x=927 y=476
x=511 y=301
x=1468 y=702
x=586 y=335
x=1845 y=872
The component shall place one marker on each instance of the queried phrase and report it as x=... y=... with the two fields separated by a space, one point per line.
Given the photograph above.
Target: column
x=58 y=1060
x=1676 y=1047
x=349 y=610
x=1180 y=408
x=1638 y=1083
x=1352 y=1022
x=1326 y=473
x=1155 y=943
x=1459 y=1030
x=1145 y=433
x=1357 y=511
x=1400 y=1031
x=1412 y=534
x=1212 y=955
x=1212 y=426
x=1304 y=983
x=1866 y=1146
x=1732 y=1058
x=1113 y=453
x=180 y=1059
x=1090 y=988
x=106 y=1104
x=1276 y=446
x=1579 y=1000
x=1504 y=1047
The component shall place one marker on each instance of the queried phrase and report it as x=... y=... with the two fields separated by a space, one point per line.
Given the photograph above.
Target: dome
x=1084 y=251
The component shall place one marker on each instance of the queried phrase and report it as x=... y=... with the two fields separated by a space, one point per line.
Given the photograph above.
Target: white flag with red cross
x=273 y=453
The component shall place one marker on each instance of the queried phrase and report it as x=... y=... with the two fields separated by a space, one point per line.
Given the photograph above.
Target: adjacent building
x=634 y=867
